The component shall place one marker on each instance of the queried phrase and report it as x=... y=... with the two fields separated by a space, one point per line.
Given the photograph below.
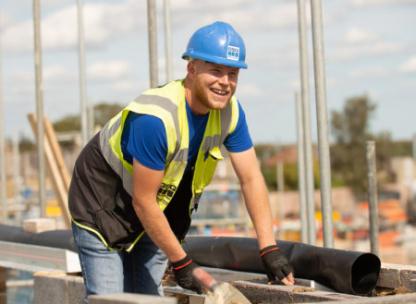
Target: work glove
x=275 y=263
x=183 y=270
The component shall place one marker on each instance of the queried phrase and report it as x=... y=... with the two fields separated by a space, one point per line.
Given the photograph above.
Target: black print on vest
x=166 y=190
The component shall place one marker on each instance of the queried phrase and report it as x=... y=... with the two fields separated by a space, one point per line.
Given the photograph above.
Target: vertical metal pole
x=301 y=170
x=39 y=105
x=305 y=116
x=168 y=40
x=152 y=34
x=3 y=181
x=17 y=179
x=372 y=195
x=82 y=78
x=91 y=121
x=280 y=177
x=322 y=117
x=414 y=147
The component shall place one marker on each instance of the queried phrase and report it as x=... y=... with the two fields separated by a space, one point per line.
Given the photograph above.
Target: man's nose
x=224 y=79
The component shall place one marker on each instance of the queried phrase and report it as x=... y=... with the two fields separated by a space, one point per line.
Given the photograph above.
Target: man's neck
x=195 y=106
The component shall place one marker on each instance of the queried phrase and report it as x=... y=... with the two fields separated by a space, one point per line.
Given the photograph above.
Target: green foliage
x=350 y=128
x=290 y=174
x=26 y=144
x=102 y=113
x=67 y=124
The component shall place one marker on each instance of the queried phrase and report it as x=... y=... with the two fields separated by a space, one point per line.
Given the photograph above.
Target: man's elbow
x=141 y=203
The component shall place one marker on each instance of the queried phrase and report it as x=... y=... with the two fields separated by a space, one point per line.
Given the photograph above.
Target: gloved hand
x=276 y=264
x=183 y=270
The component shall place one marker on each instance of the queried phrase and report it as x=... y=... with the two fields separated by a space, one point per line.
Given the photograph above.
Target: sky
x=370 y=48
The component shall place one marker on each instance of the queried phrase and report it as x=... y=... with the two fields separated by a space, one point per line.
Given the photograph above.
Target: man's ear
x=190 y=67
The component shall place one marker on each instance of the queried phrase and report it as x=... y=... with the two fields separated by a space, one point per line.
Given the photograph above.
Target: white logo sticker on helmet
x=233 y=52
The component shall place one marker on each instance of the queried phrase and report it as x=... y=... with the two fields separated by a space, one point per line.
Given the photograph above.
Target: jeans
x=105 y=271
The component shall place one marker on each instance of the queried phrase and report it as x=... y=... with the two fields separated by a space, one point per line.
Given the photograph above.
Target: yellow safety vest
x=168 y=103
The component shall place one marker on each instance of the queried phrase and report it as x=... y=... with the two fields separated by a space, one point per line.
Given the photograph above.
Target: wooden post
x=57 y=152
x=57 y=179
x=3 y=288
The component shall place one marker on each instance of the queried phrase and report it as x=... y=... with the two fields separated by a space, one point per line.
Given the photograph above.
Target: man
x=136 y=182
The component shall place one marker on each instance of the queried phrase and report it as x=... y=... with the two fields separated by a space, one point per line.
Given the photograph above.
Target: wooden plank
x=57 y=152
x=57 y=179
x=3 y=288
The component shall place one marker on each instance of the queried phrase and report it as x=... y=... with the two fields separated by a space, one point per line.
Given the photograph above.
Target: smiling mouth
x=219 y=92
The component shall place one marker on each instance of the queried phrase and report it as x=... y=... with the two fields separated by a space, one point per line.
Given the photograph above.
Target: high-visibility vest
x=168 y=103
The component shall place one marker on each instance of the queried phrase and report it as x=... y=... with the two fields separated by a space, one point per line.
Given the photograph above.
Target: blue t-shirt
x=144 y=138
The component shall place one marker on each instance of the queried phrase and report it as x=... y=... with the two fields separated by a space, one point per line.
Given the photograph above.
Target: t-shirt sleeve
x=239 y=140
x=147 y=141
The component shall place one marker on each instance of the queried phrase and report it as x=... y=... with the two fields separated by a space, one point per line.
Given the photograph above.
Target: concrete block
x=397 y=299
x=58 y=287
x=39 y=225
x=397 y=275
x=275 y=294
x=130 y=298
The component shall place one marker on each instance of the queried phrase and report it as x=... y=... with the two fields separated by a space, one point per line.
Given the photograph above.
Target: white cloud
x=356 y=36
x=363 y=3
x=346 y=52
x=5 y=20
x=106 y=70
x=249 y=90
x=102 y=22
x=369 y=72
x=242 y=14
x=123 y=85
x=409 y=66
x=57 y=73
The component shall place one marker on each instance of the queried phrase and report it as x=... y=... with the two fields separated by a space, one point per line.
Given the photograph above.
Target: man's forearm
x=157 y=227
x=257 y=202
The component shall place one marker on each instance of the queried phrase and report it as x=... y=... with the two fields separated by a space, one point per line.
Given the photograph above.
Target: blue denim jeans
x=105 y=271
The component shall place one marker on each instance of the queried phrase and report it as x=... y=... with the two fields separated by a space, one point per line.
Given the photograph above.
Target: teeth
x=219 y=92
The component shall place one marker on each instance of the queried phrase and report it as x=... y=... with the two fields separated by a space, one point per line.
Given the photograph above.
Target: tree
x=102 y=113
x=350 y=128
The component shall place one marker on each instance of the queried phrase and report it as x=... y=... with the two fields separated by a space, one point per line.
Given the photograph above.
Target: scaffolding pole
x=152 y=36
x=3 y=181
x=372 y=196
x=322 y=121
x=85 y=132
x=168 y=40
x=39 y=106
x=301 y=170
x=305 y=116
x=414 y=146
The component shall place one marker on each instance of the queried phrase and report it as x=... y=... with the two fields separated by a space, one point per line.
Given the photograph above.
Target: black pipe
x=56 y=238
x=344 y=271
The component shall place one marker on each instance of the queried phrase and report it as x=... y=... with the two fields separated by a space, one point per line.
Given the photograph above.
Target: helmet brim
x=215 y=59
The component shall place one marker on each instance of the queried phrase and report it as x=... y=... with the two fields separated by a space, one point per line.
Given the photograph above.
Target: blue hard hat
x=217 y=43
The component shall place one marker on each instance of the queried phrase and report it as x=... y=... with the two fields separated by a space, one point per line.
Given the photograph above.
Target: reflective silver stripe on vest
x=166 y=104
x=107 y=132
x=112 y=159
x=225 y=121
x=217 y=140
x=181 y=155
x=211 y=142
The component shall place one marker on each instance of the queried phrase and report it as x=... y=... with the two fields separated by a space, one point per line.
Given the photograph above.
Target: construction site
x=342 y=192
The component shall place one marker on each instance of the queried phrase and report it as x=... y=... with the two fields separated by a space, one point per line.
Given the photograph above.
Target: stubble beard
x=202 y=95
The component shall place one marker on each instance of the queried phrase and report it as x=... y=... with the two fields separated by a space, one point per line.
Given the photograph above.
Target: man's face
x=213 y=85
